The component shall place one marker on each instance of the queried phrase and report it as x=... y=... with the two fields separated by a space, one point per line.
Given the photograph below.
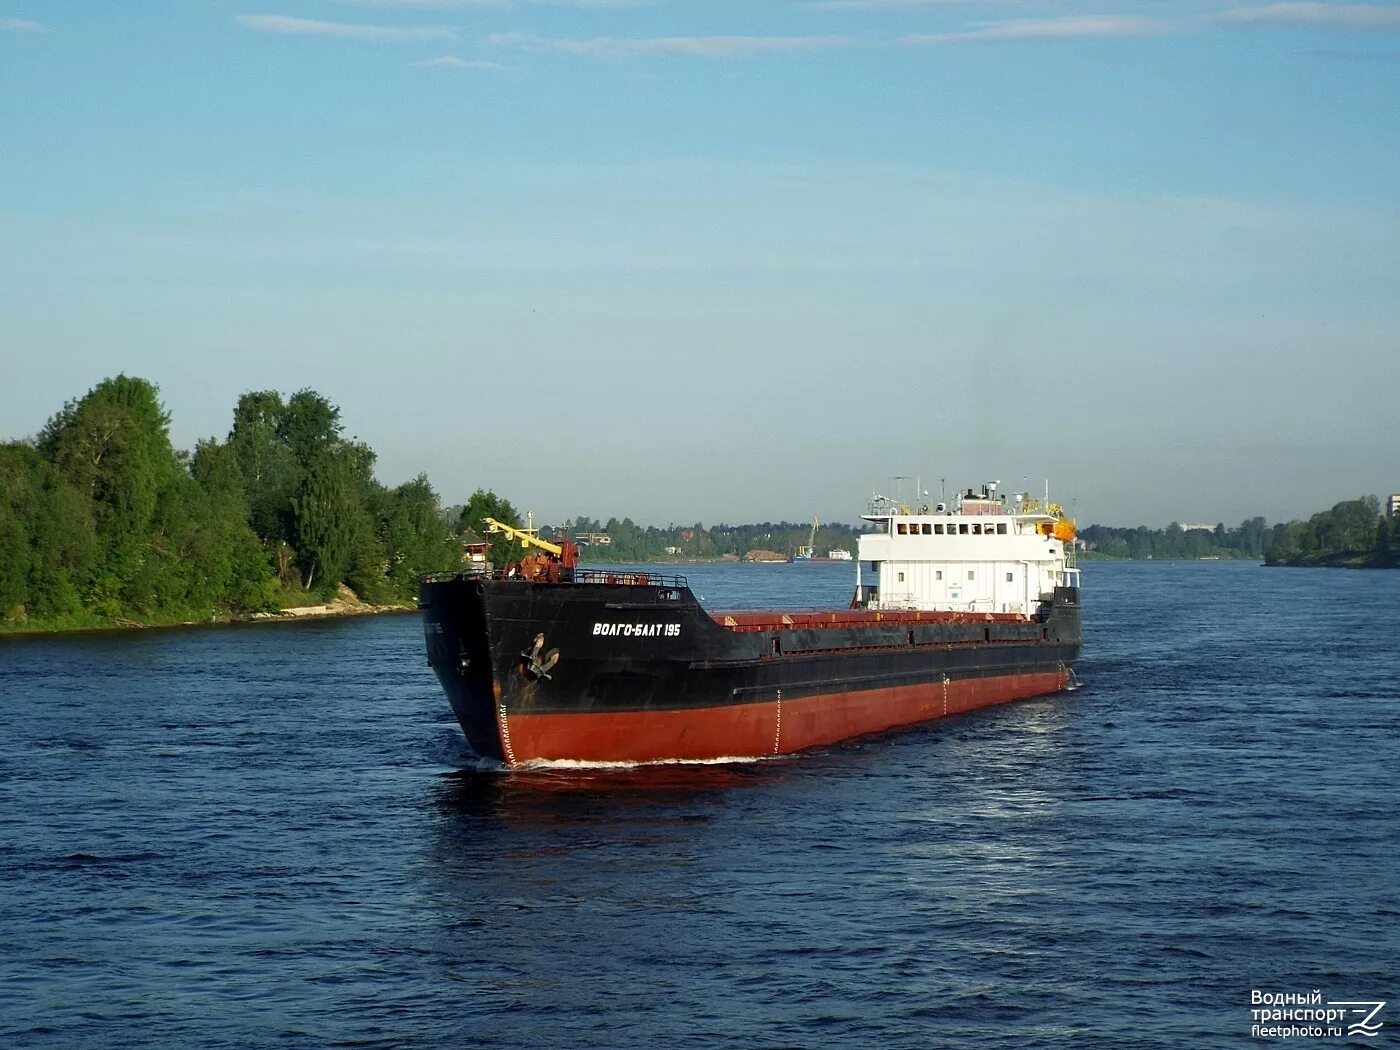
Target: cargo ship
x=955 y=607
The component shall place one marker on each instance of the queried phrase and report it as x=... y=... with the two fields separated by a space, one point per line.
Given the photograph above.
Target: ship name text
x=637 y=630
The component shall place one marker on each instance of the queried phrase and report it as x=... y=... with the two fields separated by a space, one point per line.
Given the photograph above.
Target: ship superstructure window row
x=937 y=528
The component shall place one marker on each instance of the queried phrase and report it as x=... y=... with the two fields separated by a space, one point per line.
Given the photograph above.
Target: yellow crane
x=528 y=537
x=566 y=553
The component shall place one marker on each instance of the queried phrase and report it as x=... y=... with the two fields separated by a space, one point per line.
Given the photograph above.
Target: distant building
x=1395 y=505
x=673 y=550
x=593 y=539
x=1187 y=526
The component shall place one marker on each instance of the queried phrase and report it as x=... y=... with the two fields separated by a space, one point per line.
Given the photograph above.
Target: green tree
x=367 y=572
x=415 y=538
x=309 y=426
x=18 y=463
x=235 y=562
x=311 y=493
x=113 y=445
x=266 y=464
x=485 y=504
x=67 y=552
x=328 y=519
x=1253 y=536
x=1292 y=542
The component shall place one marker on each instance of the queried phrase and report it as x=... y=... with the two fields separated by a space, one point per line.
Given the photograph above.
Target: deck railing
x=630 y=578
x=613 y=577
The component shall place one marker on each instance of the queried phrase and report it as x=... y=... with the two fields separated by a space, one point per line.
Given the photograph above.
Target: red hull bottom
x=754 y=730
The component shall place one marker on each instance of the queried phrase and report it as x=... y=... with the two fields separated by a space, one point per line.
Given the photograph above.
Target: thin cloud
x=447 y=5
x=1328 y=16
x=437 y=5
x=1072 y=28
x=1356 y=56
x=22 y=25
x=902 y=5
x=698 y=46
x=454 y=62
x=287 y=25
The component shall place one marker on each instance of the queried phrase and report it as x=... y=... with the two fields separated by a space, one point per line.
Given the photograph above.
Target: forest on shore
x=1248 y=540
x=1353 y=534
x=103 y=522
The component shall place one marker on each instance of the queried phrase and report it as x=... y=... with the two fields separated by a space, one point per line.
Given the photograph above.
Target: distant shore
x=1340 y=560
x=337 y=609
x=666 y=559
x=1088 y=556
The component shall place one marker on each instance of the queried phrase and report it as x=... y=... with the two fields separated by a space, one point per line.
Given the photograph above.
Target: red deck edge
x=772 y=620
x=755 y=730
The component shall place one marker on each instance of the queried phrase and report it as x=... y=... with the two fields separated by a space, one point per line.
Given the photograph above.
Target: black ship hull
x=630 y=668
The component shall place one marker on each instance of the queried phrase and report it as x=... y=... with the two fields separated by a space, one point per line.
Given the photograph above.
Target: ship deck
x=782 y=620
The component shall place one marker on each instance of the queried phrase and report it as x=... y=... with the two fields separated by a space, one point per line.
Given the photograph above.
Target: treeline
x=1353 y=533
x=638 y=543
x=631 y=542
x=103 y=521
x=1249 y=539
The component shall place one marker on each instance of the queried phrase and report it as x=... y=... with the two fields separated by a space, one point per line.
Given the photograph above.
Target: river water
x=273 y=836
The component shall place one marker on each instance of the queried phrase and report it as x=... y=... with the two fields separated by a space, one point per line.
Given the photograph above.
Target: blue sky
x=728 y=261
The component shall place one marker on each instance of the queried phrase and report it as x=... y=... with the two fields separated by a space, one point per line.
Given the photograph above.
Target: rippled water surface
x=274 y=836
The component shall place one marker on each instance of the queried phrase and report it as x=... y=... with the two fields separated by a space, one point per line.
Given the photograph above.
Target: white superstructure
x=979 y=554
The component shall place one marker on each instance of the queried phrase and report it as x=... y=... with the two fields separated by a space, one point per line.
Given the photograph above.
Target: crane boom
x=526 y=537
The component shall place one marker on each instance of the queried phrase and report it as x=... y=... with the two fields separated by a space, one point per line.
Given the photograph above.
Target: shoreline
x=324 y=611
x=298 y=614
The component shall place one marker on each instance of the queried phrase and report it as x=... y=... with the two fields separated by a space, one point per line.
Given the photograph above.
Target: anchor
x=534 y=667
